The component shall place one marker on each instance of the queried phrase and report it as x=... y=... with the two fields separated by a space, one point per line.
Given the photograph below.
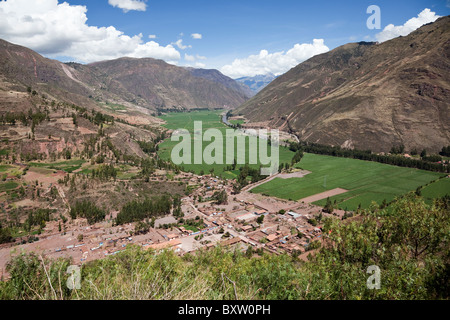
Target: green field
x=7 y=186
x=366 y=181
x=67 y=166
x=5 y=167
x=236 y=122
x=436 y=189
x=210 y=119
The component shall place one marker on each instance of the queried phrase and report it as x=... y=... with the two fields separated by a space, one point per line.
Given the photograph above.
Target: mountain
x=155 y=84
x=257 y=83
x=134 y=83
x=217 y=76
x=366 y=95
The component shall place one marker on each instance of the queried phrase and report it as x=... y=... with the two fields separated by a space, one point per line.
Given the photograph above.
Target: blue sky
x=233 y=33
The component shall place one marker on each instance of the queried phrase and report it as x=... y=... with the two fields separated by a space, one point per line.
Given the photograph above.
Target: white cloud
x=200 y=65
x=152 y=36
x=179 y=44
x=128 y=5
x=196 y=36
x=61 y=30
x=276 y=63
x=189 y=58
x=391 y=31
x=200 y=57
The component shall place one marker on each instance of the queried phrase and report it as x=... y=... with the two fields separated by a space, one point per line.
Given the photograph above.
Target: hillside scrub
x=408 y=241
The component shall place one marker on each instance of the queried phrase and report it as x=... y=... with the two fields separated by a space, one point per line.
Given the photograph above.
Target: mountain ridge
x=366 y=95
x=142 y=83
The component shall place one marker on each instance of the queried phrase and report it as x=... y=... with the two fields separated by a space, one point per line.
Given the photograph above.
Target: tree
x=220 y=197
x=423 y=154
x=328 y=208
x=260 y=219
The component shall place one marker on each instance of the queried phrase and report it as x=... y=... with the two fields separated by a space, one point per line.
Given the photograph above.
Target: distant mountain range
x=366 y=95
x=257 y=83
x=142 y=83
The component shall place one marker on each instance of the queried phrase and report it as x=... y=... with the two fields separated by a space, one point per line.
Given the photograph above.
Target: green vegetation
x=115 y=107
x=237 y=122
x=410 y=245
x=436 y=189
x=210 y=119
x=366 y=181
x=4 y=168
x=8 y=186
x=67 y=166
x=88 y=210
x=135 y=211
x=425 y=163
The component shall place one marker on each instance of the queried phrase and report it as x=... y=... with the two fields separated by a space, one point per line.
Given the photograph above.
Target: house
x=261 y=212
x=294 y=215
x=272 y=237
x=172 y=236
x=165 y=245
x=230 y=242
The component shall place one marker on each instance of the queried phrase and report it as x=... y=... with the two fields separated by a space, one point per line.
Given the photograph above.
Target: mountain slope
x=366 y=95
x=135 y=83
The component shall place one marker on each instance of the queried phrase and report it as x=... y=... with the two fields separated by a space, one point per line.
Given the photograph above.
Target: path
x=323 y=195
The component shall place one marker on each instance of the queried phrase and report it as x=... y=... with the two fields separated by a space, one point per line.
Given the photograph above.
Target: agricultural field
x=67 y=166
x=436 y=189
x=237 y=122
x=210 y=119
x=365 y=181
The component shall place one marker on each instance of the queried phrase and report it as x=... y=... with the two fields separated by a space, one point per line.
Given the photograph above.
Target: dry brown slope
x=367 y=95
x=135 y=83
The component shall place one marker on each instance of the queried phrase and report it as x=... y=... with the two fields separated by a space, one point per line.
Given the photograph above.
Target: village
x=246 y=220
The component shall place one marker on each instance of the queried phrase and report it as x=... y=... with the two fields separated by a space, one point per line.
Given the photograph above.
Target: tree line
x=367 y=155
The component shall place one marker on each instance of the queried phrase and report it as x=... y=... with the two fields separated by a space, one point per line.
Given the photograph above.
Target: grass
x=67 y=166
x=7 y=186
x=236 y=122
x=5 y=167
x=436 y=189
x=209 y=119
x=115 y=107
x=191 y=228
x=366 y=181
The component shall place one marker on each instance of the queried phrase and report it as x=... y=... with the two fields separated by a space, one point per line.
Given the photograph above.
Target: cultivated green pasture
x=366 y=181
x=436 y=189
x=209 y=119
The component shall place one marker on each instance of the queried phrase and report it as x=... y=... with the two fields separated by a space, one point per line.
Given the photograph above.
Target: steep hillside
x=366 y=95
x=132 y=83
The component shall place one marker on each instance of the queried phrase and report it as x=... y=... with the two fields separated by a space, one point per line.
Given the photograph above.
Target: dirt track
x=323 y=195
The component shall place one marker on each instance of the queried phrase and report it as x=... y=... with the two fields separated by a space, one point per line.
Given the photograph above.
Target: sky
x=238 y=37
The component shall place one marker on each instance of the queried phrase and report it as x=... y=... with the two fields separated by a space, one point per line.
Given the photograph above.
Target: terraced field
x=67 y=166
